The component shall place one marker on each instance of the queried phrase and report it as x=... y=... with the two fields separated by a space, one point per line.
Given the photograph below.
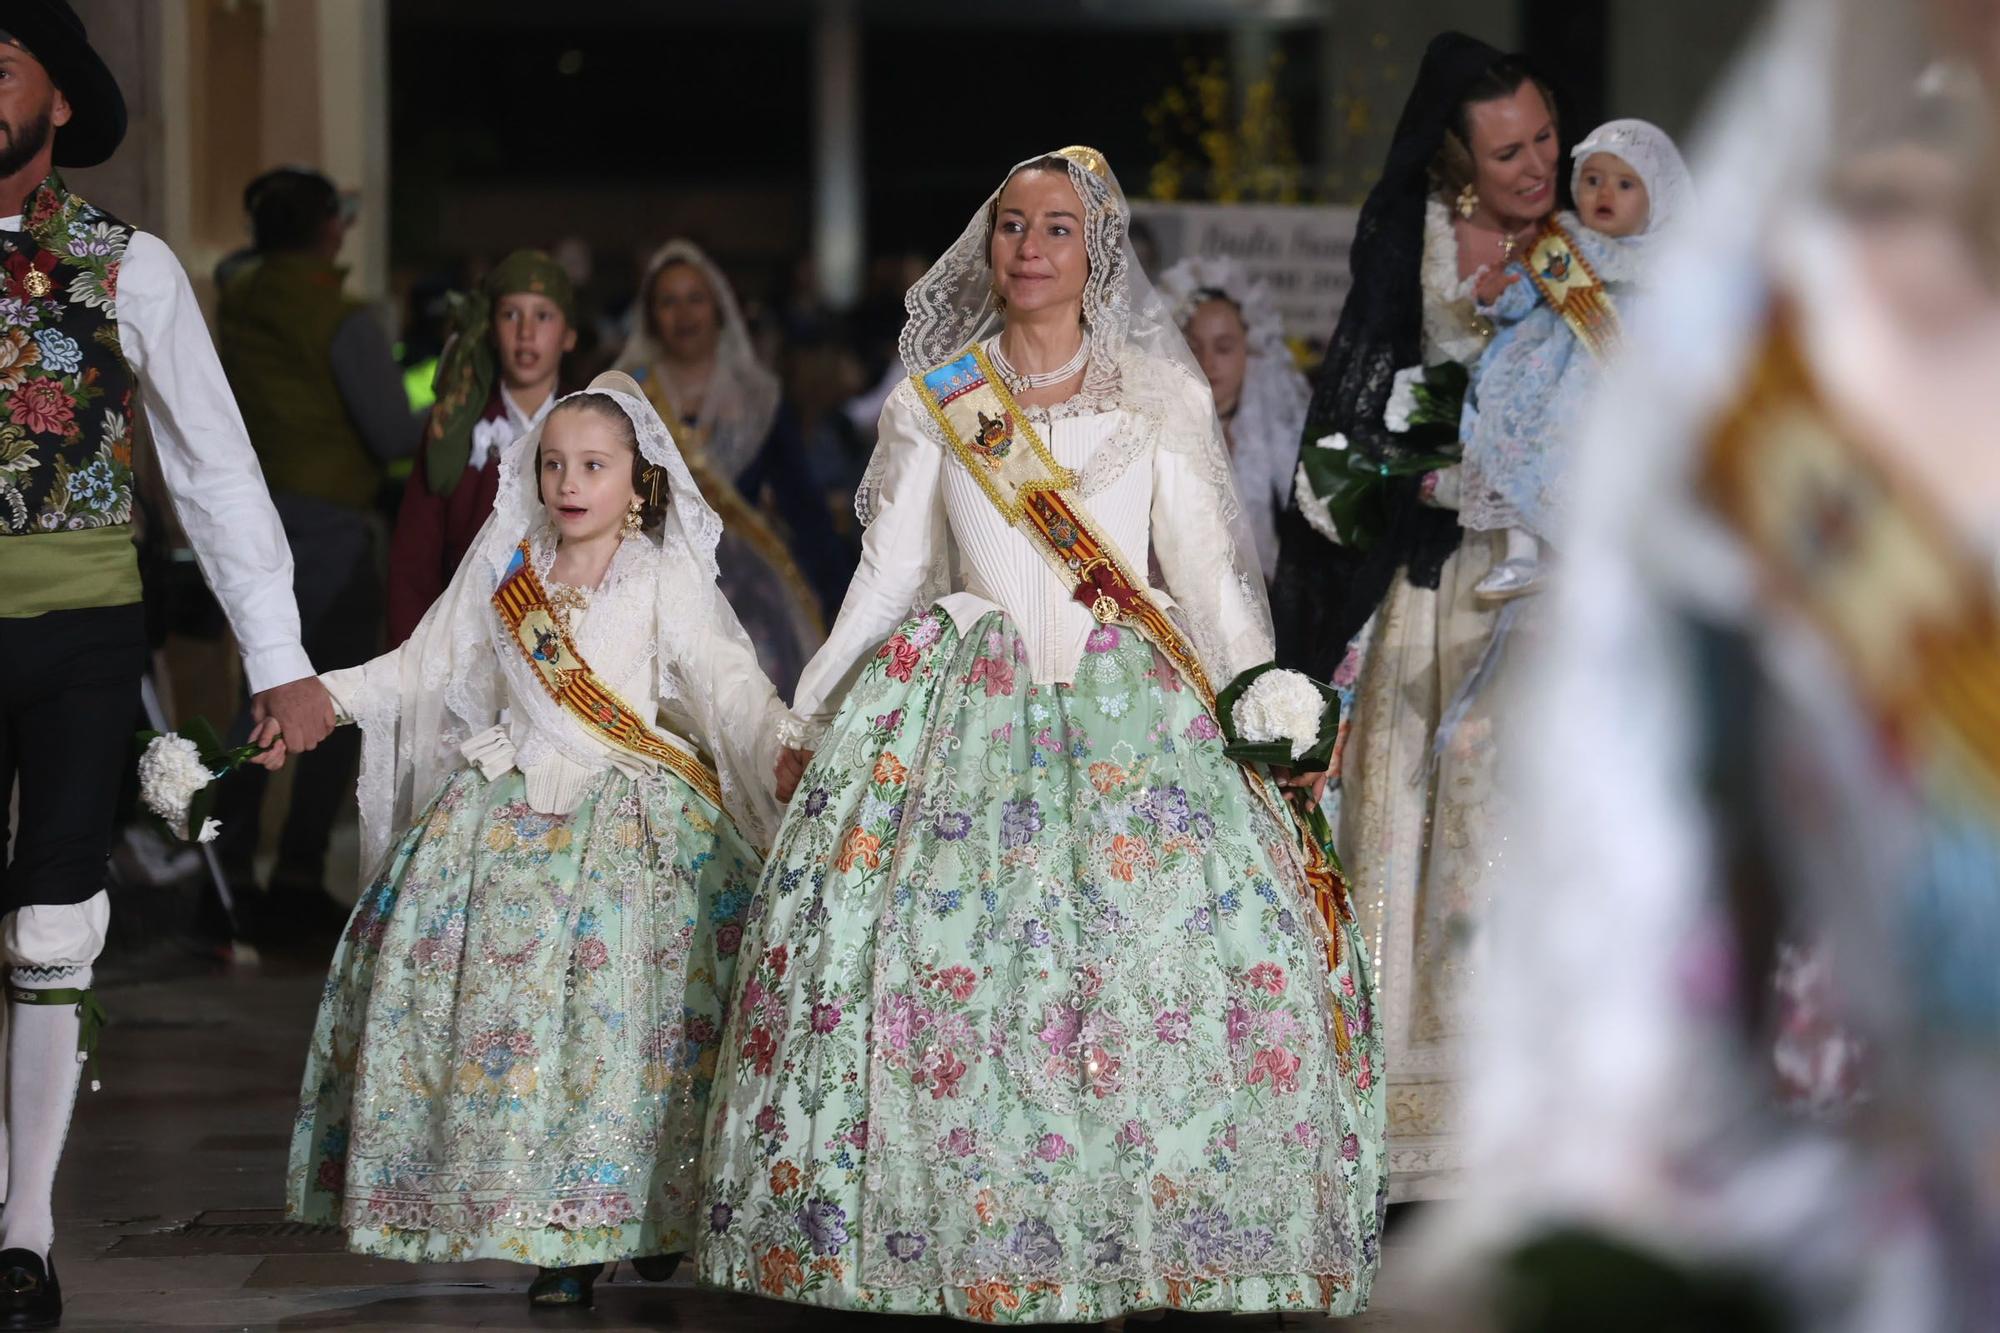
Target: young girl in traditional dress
x=1629 y=183
x=1238 y=339
x=514 y=1050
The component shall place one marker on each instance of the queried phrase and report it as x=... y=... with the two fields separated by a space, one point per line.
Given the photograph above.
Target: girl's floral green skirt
x=518 y=1034
x=1034 y=1021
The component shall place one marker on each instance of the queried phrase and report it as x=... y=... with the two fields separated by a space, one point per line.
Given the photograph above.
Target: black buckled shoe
x=30 y=1296
x=657 y=1267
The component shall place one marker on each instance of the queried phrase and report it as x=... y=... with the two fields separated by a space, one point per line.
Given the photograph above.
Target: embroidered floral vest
x=66 y=427
x=65 y=408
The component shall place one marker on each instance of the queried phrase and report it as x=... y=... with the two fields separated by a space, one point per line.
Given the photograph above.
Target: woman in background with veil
x=1040 y=1019
x=691 y=352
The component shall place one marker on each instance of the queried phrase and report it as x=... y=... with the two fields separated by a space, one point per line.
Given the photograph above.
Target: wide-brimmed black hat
x=53 y=34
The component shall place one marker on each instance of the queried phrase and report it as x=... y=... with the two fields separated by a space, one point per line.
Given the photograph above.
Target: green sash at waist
x=67 y=571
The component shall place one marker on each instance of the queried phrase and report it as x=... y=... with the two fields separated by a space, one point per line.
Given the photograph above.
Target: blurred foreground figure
x=1768 y=708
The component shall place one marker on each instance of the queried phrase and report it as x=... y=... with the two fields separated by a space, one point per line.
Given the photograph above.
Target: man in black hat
x=97 y=321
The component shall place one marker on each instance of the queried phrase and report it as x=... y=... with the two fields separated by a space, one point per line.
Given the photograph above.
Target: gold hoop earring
x=1468 y=201
x=635 y=515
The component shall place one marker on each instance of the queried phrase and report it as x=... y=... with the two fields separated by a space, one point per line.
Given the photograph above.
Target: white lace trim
x=1318 y=512
x=798 y=733
x=1452 y=327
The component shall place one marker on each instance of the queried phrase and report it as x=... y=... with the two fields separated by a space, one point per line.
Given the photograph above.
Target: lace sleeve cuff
x=345 y=687
x=1515 y=300
x=798 y=733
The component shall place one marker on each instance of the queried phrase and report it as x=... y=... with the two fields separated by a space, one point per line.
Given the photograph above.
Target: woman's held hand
x=791 y=766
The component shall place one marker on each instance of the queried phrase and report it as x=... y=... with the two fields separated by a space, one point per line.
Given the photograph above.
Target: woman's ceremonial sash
x=994 y=440
x=523 y=604
x=1572 y=288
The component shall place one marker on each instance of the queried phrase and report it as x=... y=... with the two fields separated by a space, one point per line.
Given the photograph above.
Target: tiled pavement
x=169 y=1208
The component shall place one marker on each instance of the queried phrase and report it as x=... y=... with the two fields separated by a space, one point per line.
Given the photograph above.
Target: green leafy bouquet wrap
x=1344 y=494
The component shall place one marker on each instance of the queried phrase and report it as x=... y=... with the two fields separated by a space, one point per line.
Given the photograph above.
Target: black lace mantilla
x=1324 y=594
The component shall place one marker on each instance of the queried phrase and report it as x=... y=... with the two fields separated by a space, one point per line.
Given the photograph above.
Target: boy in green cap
x=496 y=380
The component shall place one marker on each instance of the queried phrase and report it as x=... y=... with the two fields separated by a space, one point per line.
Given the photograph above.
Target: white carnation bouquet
x=1271 y=715
x=177 y=774
x=1282 y=706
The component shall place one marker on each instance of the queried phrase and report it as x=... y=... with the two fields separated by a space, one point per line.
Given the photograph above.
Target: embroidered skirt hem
x=520 y=1026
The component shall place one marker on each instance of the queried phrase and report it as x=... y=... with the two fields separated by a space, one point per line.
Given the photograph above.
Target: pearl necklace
x=1044 y=379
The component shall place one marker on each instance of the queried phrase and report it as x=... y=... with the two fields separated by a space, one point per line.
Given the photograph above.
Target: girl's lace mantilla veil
x=448 y=686
x=1271 y=407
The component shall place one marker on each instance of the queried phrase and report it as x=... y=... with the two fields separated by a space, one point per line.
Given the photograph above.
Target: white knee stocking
x=43 y=1069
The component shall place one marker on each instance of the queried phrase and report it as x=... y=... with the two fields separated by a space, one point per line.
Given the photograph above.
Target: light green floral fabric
x=516 y=1043
x=1035 y=1021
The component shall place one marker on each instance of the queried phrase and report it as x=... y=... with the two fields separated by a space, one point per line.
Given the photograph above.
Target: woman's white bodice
x=936 y=536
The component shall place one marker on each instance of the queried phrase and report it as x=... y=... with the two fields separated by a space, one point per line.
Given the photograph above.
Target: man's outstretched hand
x=300 y=712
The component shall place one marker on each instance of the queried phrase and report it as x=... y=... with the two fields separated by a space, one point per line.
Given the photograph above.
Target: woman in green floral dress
x=1036 y=1019
x=519 y=1031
